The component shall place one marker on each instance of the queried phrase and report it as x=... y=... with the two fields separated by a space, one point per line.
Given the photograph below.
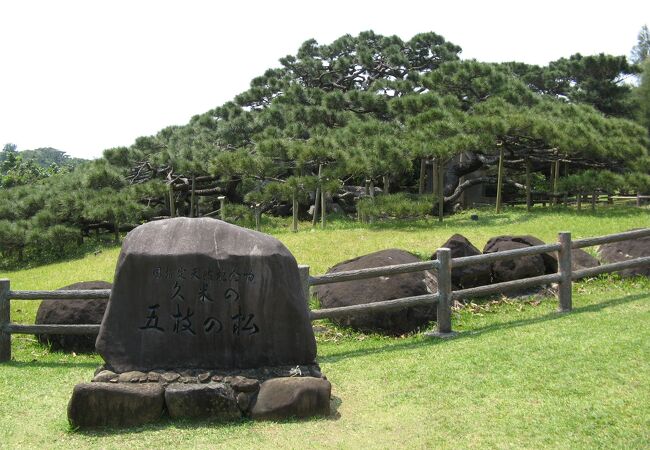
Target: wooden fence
x=443 y=298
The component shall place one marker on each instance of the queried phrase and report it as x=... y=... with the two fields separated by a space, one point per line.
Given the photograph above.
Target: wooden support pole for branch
x=386 y=184
x=564 y=270
x=193 y=196
x=314 y=218
x=5 y=320
x=371 y=187
x=258 y=213
x=423 y=175
x=556 y=178
x=222 y=207
x=594 y=199
x=579 y=201
x=441 y=189
x=294 y=206
x=172 y=202
x=529 y=198
x=322 y=208
x=499 y=180
x=304 y=281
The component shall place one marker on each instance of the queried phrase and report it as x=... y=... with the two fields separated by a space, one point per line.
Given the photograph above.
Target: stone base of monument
x=136 y=398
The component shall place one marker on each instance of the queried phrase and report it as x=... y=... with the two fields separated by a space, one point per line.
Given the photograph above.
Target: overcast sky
x=83 y=76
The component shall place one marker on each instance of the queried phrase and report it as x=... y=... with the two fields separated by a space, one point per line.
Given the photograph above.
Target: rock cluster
x=136 y=398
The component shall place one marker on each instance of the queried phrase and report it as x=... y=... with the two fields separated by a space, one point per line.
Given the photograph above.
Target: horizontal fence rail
x=373 y=272
x=443 y=299
x=61 y=295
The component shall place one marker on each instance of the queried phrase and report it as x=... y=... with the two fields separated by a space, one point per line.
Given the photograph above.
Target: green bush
x=401 y=206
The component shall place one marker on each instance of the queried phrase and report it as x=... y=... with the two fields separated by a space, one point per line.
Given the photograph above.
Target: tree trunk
x=386 y=184
x=499 y=180
x=529 y=198
x=117 y=232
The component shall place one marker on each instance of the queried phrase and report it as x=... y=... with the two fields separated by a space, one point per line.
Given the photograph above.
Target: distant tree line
x=359 y=116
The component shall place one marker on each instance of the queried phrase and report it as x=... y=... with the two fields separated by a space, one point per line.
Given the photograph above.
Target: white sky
x=83 y=76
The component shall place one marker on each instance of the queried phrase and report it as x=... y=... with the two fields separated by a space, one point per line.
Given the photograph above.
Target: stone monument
x=209 y=317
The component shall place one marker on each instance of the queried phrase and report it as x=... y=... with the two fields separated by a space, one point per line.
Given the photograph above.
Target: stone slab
x=100 y=404
x=202 y=293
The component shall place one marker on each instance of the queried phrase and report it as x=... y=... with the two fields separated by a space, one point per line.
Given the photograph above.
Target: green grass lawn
x=518 y=374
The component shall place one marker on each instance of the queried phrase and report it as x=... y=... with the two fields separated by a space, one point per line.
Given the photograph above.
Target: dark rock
x=72 y=312
x=202 y=293
x=549 y=259
x=469 y=276
x=201 y=401
x=626 y=250
x=105 y=376
x=380 y=289
x=115 y=405
x=516 y=268
x=580 y=259
x=281 y=398
x=244 y=401
x=243 y=384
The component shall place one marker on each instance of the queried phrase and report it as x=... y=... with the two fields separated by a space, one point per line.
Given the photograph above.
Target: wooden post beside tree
x=222 y=207
x=172 y=201
x=499 y=178
x=441 y=189
x=529 y=198
x=193 y=196
x=294 y=206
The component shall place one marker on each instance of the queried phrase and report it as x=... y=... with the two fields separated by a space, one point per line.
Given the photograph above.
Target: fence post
x=444 y=293
x=304 y=281
x=564 y=269
x=5 y=319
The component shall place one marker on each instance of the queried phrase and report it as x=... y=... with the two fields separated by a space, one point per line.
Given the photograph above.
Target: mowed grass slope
x=517 y=375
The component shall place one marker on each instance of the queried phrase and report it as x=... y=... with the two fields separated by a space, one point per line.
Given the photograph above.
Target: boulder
x=469 y=276
x=549 y=259
x=215 y=401
x=282 y=398
x=580 y=259
x=380 y=289
x=625 y=250
x=115 y=405
x=515 y=268
x=72 y=312
x=202 y=293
